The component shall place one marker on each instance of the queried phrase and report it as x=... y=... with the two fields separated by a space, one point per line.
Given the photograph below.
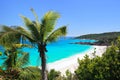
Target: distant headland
x=102 y=39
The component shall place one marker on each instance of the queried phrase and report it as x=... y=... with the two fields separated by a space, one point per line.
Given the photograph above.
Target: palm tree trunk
x=43 y=62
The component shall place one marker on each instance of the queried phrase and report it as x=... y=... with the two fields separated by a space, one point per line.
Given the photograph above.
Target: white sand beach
x=71 y=63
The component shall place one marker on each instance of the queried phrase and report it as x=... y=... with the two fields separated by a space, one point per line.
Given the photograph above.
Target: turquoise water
x=57 y=50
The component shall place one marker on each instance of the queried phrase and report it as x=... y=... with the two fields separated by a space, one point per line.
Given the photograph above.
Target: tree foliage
x=29 y=73
x=14 y=57
x=106 y=67
x=53 y=75
x=101 y=36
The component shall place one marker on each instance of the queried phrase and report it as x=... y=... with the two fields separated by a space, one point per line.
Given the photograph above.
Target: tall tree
x=39 y=33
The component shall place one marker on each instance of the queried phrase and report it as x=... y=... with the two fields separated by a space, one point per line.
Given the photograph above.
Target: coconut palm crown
x=40 y=33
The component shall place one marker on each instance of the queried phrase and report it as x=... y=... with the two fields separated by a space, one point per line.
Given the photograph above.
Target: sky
x=81 y=16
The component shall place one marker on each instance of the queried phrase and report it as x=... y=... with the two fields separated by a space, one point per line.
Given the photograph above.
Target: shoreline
x=71 y=62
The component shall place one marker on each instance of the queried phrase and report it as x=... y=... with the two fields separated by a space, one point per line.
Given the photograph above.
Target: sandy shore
x=71 y=62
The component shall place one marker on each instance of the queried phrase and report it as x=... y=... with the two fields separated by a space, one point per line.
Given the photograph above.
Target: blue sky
x=81 y=16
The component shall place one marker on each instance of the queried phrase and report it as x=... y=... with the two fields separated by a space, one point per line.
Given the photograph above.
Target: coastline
x=71 y=63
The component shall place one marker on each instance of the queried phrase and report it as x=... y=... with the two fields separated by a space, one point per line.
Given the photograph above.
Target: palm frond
x=7 y=28
x=22 y=45
x=0 y=53
x=26 y=34
x=34 y=13
x=23 y=60
x=57 y=33
x=32 y=27
x=37 y=24
x=8 y=63
x=48 y=22
x=9 y=38
x=27 y=21
x=30 y=73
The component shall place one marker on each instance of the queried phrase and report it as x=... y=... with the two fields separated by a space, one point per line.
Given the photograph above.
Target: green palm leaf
x=25 y=34
x=57 y=33
x=9 y=36
x=29 y=73
x=23 y=60
x=48 y=22
x=31 y=26
x=7 y=40
x=8 y=63
x=6 y=28
x=37 y=24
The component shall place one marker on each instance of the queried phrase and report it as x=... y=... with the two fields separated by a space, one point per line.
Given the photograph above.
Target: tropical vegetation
x=14 y=65
x=105 y=67
x=37 y=32
x=101 y=68
x=40 y=33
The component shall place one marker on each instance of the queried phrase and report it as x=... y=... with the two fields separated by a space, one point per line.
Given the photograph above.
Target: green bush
x=106 y=67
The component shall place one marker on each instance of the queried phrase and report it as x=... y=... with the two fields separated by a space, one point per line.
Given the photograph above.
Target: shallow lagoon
x=56 y=51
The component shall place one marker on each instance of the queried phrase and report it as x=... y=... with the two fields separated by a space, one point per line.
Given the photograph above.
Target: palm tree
x=14 y=57
x=39 y=33
x=15 y=61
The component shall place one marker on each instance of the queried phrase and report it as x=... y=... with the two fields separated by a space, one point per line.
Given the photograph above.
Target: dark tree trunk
x=43 y=61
